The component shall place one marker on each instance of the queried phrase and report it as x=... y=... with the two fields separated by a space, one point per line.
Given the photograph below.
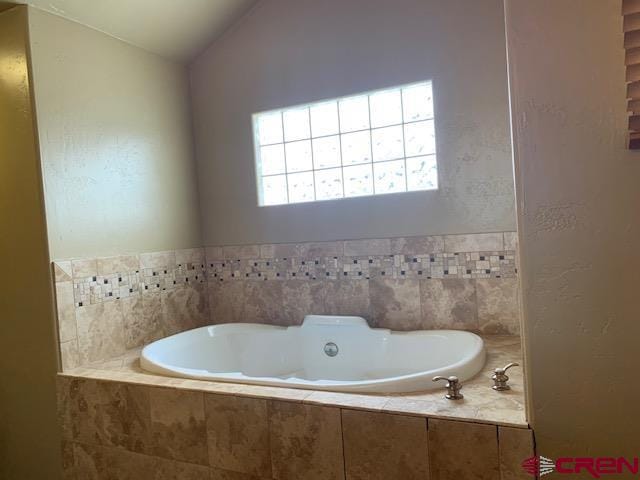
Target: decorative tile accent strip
x=493 y=264
x=104 y=288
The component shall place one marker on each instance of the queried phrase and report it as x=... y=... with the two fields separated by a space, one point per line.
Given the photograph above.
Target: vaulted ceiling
x=175 y=29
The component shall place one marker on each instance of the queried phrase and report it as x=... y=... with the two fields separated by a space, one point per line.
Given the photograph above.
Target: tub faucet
x=500 y=377
x=453 y=387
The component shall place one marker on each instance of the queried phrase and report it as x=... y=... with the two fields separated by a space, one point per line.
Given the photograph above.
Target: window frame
x=257 y=160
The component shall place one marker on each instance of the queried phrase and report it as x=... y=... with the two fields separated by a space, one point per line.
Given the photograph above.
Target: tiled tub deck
x=119 y=422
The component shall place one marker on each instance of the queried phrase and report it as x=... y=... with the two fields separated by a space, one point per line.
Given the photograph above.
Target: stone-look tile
x=498 y=308
x=84 y=268
x=380 y=446
x=219 y=474
x=349 y=400
x=238 y=252
x=283 y=250
x=462 y=450
x=510 y=240
x=306 y=442
x=473 y=242
x=63 y=405
x=449 y=304
x=226 y=301
x=62 y=271
x=395 y=303
x=106 y=463
x=213 y=254
x=417 y=245
x=300 y=298
x=302 y=250
x=378 y=246
x=104 y=413
x=172 y=470
x=190 y=255
x=143 y=319
x=178 y=425
x=185 y=308
x=65 y=307
x=117 y=264
x=515 y=445
x=346 y=297
x=238 y=434
x=69 y=355
x=324 y=249
x=100 y=331
x=68 y=462
x=263 y=302
x=158 y=259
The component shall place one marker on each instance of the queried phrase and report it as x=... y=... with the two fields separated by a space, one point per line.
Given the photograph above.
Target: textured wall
x=116 y=143
x=578 y=194
x=295 y=51
x=28 y=361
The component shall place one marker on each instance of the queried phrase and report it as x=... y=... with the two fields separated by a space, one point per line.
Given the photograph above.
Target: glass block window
x=369 y=144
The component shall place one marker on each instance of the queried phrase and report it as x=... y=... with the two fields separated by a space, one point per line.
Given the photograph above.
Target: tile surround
x=107 y=305
x=480 y=404
x=129 y=424
x=110 y=431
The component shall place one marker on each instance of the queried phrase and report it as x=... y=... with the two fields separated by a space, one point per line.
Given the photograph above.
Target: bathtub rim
x=477 y=356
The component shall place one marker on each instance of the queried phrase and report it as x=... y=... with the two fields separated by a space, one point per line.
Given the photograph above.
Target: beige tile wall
x=125 y=431
x=477 y=301
x=108 y=305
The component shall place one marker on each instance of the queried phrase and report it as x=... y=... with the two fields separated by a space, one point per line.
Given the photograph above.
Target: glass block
x=417 y=102
x=296 y=124
x=300 y=187
x=356 y=148
x=387 y=143
x=422 y=173
x=274 y=190
x=269 y=128
x=389 y=177
x=386 y=108
x=419 y=138
x=272 y=159
x=328 y=184
x=354 y=113
x=358 y=180
x=324 y=119
x=326 y=152
x=299 y=156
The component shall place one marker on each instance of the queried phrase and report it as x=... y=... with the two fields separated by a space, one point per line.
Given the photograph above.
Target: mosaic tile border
x=495 y=264
x=431 y=257
x=104 y=288
x=106 y=279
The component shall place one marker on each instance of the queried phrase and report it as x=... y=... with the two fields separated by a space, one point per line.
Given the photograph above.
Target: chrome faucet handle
x=500 y=377
x=453 y=387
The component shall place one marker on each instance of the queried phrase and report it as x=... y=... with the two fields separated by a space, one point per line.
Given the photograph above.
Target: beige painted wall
x=116 y=143
x=29 y=439
x=579 y=200
x=288 y=52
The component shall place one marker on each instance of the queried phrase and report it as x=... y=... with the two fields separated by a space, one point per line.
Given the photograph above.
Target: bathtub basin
x=324 y=353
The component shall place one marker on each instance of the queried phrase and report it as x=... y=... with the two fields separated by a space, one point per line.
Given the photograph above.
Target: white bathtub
x=365 y=359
